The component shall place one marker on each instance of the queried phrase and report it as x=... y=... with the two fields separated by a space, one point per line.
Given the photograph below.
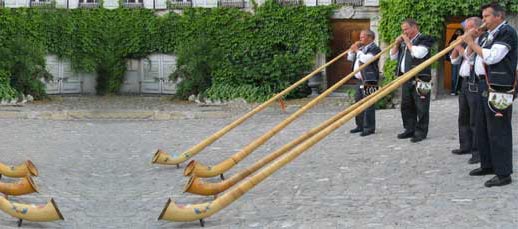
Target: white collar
x=492 y=32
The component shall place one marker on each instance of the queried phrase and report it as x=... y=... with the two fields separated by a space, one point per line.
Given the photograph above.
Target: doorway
x=345 y=33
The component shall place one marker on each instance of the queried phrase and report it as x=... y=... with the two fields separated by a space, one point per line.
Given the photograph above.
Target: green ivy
x=258 y=53
x=431 y=14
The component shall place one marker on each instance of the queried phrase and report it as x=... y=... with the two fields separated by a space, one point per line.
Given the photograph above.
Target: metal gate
x=64 y=81
x=155 y=74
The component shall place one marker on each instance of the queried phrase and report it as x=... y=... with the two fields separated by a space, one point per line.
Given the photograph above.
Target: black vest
x=503 y=73
x=410 y=62
x=371 y=72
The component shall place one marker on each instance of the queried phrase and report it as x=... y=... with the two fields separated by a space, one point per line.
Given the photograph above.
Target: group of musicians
x=488 y=58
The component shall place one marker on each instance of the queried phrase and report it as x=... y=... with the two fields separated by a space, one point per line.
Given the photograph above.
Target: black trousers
x=415 y=111
x=495 y=138
x=469 y=105
x=367 y=119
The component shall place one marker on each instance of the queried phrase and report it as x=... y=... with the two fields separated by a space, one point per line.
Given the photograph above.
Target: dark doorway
x=345 y=33
x=451 y=26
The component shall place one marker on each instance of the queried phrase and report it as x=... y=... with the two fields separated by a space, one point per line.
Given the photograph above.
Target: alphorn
x=201 y=170
x=185 y=213
x=25 y=186
x=161 y=157
x=30 y=212
x=22 y=170
x=196 y=185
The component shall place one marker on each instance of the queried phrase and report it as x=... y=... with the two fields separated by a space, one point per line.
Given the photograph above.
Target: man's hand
x=459 y=49
x=406 y=40
x=399 y=39
x=468 y=36
x=355 y=46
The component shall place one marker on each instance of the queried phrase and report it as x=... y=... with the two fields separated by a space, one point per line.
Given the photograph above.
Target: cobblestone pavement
x=99 y=173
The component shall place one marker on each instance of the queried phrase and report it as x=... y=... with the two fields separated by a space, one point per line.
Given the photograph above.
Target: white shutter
x=16 y=3
x=73 y=4
x=148 y=4
x=110 y=4
x=205 y=3
x=160 y=4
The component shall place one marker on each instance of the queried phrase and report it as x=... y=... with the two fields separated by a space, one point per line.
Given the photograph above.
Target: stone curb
x=112 y=115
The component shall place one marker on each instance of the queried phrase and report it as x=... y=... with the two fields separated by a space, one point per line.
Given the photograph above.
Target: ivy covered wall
x=250 y=55
x=431 y=14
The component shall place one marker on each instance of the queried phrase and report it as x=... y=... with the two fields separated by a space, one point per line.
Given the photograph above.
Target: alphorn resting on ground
x=200 y=170
x=22 y=170
x=24 y=186
x=161 y=157
x=30 y=212
x=196 y=185
x=174 y=212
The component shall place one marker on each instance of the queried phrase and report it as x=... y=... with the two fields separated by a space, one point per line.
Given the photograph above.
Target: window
x=41 y=3
x=232 y=3
x=179 y=4
x=90 y=4
x=133 y=4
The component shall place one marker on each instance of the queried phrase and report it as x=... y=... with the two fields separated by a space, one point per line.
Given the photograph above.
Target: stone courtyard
x=96 y=164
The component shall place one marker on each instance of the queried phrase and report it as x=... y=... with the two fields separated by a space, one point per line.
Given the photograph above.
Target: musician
x=469 y=97
x=498 y=55
x=413 y=48
x=361 y=52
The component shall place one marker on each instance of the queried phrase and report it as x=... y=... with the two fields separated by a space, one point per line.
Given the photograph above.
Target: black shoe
x=367 y=133
x=356 y=130
x=481 y=172
x=459 y=151
x=416 y=139
x=405 y=134
x=474 y=160
x=498 y=181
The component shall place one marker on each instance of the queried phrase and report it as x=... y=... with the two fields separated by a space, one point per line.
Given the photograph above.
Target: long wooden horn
x=201 y=170
x=25 y=186
x=30 y=212
x=161 y=157
x=174 y=212
x=196 y=185
x=22 y=170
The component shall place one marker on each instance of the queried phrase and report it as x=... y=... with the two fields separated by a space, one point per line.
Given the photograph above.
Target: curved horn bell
x=174 y=212
x=25 y=186
x=211 y=171
x=177 y=159
x=30 y=212
x=22 y=170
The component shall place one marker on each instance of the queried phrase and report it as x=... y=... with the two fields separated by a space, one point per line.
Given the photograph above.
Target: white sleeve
x=351 y=56
x=419 y=51
x=393 y=56
x=495 y=54
x=364 y=57
x=457 y=60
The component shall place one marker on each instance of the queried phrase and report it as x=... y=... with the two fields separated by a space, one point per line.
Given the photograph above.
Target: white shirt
x=467 y=61
x=360 y=57
x=490 y=56
x=417 y=51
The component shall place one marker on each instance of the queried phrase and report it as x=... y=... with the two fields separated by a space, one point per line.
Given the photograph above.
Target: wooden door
x=345 y=33
x=451 y=27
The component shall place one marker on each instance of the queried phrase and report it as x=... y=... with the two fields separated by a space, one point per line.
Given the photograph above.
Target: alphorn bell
x=22 y=170
x=201 y=170
x=25 y=186
x=30 y=212
x=161 y=157
x=196 y=185
x=183 y=213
